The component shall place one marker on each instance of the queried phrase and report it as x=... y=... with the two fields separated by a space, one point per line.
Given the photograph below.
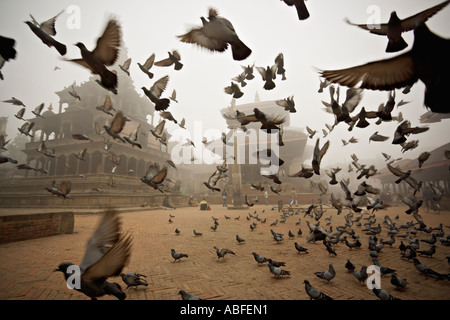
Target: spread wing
x=159 y=86
x=411 y=22
x=160 y=176
x=49 y=26
x=387 y=74
x=118 y=122
x=107 y=49
x=395 y=171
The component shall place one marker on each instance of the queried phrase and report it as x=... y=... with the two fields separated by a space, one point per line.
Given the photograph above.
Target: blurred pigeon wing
x=385 y=74
x=413 y=21
x=49 y=26
x=107 y=49
x=106 y=234
x=159 y=86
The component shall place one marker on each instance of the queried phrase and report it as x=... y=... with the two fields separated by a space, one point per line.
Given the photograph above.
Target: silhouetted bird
x=302 y=11
x=318 y=154
x=105 y=54
x=394 y=28
x=234 y=90
x=268 y=75
x=154 y=94
x=107 y=253
x=45 y=31
x=125 y=67
x=287 y=103
x=116 y=126
x=147 y=65
x=426 y=61
x=215 y=35
x=173 y=59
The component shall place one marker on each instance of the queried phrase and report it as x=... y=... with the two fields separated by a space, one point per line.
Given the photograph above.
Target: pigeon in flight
x=426 y=61
x=25 y=129
x=235 y=90
x=132 y=138
x=155 y=92
x=126 y=66
x=107 y=106
x=154 y=177
x=394 y=28
x=116 y=126
x=7 y=51
x=268 y=75
x=173 y=59
x=104 y=55
x=288 y=104
x=145 y=68
x=20 y=113
x=107 y=252
x=279 y=61
x=318 y=154
x=15 y=102
x=215 y=35
x=45 y=31
x=302 y=10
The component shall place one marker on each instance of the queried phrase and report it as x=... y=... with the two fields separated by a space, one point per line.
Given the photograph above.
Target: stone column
x=236 y=180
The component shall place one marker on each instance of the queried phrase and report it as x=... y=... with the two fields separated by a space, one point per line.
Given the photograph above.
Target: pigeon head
x=80 y=45
x=63 y=266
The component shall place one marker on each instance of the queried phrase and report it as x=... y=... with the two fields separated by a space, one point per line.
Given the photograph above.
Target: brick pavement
x=26 y=266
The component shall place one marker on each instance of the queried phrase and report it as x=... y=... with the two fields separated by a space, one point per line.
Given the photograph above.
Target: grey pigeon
x=177 y=255
x=45 y=31
x=155 y=91
x=277 y=271
x=133 y=279
x=107 y=253
x=196 y=233
x=383 y=294
x=215 y=35
x=188 y=296
x=399 y=283
x=299 y=248
x=173 y=59
x=239 y=239
x=259 y=258
x=126 y=66
x=394 y=28
x=222 y=252
x=426 y=61
x=105 y=54
x=327 y=275
x=315 y=294
x=349 y=266
x=423 y=269
x=147 y=65
x=361 y=275
x=154 y=177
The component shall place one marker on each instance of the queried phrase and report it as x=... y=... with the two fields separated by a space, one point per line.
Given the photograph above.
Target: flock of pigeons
x=108 y=250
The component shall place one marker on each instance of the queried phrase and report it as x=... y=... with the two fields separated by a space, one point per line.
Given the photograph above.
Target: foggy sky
x=268 y=27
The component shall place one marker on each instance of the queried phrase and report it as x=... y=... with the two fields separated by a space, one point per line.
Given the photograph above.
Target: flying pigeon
x=107 y=253
x=215 y=35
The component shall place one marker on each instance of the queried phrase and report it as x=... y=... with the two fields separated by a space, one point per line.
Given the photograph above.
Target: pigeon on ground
x=315 y=294
x=196 y=233
x=394 y=28
x=277 y=271
x=188 y=296
x=222 y=252
x=173 y=59
x=259 y=258
x=428 y=253
x=327 y=275
x=215 y=35
x=107 y=253
x=426 y=61
x=105 y=54
x=423 y=269
x=239 y=239
x=349 y=266
x=299 y=248
x=177 y=255
x=154 y=93
x=361 y=275
x=383 y=294
x=45 y=31
x=399 y=283
x=133 y=279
